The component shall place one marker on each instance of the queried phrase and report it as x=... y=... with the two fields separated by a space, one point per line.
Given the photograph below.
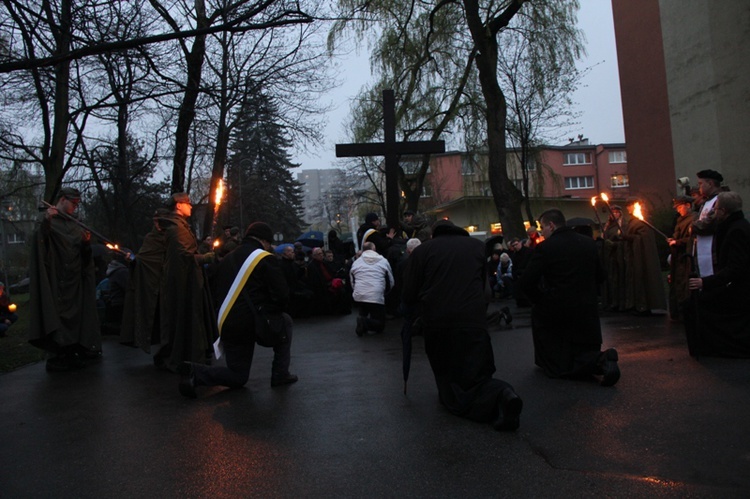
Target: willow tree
x=441 y=58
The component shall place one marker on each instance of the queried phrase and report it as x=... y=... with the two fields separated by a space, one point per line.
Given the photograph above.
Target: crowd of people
x=185 y=303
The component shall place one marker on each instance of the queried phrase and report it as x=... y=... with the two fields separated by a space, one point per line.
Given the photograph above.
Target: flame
x=218 y=195
x=593 y=201
x=604 y=197
x=12 y=307
x=112 y=246
x=217 y=243
x=637 y=212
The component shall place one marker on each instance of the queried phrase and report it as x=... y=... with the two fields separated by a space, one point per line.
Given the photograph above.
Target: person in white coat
x=371 y=276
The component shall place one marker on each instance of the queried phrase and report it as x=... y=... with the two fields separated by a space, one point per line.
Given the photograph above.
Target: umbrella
x=281 y=247
x=313 y=238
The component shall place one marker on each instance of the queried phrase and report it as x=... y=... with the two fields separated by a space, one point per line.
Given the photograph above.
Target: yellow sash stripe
x=239 y=282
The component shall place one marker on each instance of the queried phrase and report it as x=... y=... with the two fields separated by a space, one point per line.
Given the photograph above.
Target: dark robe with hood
x=62 y=301
x=681 y=264
x=723 y=314
x=562 y=280
x=446 y=281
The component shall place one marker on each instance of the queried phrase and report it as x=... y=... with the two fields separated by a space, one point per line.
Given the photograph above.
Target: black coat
x=724 y=316
x=446 y=278
x=562 y=280
x=266 y=288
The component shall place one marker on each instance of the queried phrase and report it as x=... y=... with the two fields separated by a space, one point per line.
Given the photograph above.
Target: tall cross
x=391 y=150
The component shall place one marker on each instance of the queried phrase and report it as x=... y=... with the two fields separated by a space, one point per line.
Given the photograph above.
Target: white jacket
x=368 y=275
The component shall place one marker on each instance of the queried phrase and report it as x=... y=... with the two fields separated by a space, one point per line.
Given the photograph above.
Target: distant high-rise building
x=315 y=183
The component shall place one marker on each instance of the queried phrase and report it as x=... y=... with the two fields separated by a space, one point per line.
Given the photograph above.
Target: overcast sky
x=598 y=97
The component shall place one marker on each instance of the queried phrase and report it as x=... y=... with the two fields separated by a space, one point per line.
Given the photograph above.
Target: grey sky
x=598 y=97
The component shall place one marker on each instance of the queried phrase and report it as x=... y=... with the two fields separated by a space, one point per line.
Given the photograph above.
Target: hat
x=179 y=197
x=70 y=193
x=616 y=207
x=712 y=174
x=408 y=212
x=678 y=200
x=371 y=217
x=234 y=231
x=260 y=231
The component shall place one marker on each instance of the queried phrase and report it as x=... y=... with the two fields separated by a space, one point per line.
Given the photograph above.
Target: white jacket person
x=368 y=276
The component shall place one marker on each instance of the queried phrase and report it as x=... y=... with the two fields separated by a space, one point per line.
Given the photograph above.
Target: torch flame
x=112 y=246
x=218 y=195
x=217 y=243
x=593 y=201
x=637 y=212
x=604 y=197
x=12 y=307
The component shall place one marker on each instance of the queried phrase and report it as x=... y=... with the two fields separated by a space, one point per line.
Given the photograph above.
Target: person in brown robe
x=62 y=293
x=184 y=313
x=680 y=257
x=644 y=283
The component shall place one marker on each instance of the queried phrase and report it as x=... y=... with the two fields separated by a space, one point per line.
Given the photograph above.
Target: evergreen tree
x=260 y=184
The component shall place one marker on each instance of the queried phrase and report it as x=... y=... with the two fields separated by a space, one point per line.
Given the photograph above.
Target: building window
x=618 y=157
x=576 y=158
x=579 y=182
x=620 y=181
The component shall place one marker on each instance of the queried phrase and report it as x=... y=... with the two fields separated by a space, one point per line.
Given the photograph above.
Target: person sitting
x=504 y=278
x=330 y=296
x=7 y=312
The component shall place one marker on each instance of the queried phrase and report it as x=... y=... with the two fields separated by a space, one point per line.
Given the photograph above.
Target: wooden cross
x=391 y=150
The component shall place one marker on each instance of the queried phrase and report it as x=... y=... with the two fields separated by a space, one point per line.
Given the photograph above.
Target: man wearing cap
x=680 y=255
x=370 y=231
x=186 y=331
x=709 y=185
x=62 y=293
x=446 y=282
x=267 y=290
x=415 y=226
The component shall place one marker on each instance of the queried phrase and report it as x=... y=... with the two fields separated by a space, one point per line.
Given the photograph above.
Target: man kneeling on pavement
x=264 y=288
x=562 y=280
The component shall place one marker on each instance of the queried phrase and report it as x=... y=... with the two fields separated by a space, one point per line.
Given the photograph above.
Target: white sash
x=234 y=292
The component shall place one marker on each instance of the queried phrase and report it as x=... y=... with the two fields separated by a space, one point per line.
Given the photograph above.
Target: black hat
x=371 y=217
x=408 y=212
x=678 y=200
x=234 y=231
x=260 y=231
x=712 y=174
x=70 y=193
x=179 y=197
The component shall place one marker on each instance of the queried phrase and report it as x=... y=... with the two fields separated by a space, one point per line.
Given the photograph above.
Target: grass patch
x=15 y=350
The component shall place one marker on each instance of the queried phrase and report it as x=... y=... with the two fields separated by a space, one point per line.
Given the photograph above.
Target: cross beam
x=391 y=150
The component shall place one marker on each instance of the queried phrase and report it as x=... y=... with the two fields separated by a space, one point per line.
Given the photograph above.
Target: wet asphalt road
x=672 y=426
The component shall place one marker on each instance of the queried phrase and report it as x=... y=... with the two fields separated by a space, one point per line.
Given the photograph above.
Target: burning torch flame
x=218 y=195
x=217 y=243
x=604 y=197
x=593 y=201
x=112 y=246
x=637 y=212
x=12 y=307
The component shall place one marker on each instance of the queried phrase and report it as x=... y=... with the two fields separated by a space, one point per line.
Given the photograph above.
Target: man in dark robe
x=643 y=278
x=722 y=317
x=140 y=322
x=613 y=255
x=184 y=312
x=562 y=280
x=446 y=282
x=62 y=301
x=680 y=256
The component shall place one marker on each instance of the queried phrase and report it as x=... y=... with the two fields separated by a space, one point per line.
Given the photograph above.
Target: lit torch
x=12 y=308
x=596 y=212
x=605 y=198
x=218 y=195
x=638 y=213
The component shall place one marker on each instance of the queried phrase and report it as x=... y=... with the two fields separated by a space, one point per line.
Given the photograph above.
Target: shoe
x=284 y=379
x=187 y=380
x=509 y=417
x=610 y=369
x=361 y=327
x=506 y=315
